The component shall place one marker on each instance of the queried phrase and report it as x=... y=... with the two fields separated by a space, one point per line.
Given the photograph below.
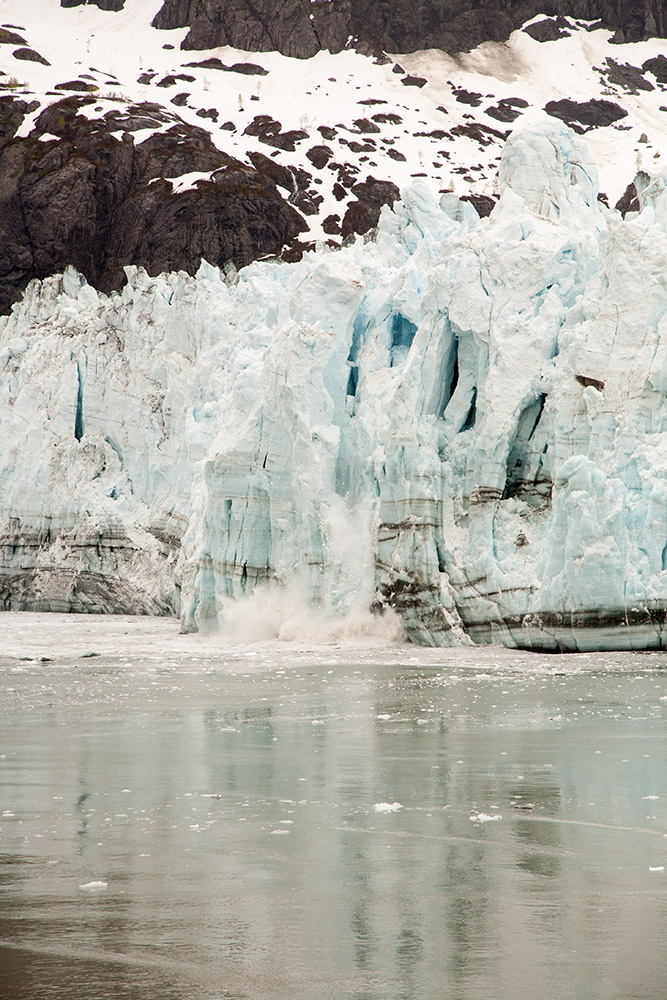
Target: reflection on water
x=224 y=803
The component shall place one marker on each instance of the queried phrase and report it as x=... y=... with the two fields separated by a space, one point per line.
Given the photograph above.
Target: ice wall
x=462 y=419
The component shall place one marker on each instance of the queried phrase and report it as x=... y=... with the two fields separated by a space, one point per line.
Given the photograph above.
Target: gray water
x=326 y=821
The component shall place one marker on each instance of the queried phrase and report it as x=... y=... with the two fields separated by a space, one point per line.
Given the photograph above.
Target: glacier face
x=462 y=419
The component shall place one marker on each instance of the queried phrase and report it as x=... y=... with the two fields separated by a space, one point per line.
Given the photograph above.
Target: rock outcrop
x=74 y=192
x=301 y=27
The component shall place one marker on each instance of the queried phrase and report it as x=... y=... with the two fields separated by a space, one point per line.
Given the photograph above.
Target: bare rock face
x=592 y=113
x=363 y=214
x=102 y=4
x=260 y=26
x=301 y=28
x=98 y=202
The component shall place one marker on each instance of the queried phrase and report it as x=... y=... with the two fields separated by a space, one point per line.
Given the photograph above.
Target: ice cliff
x=463 y=419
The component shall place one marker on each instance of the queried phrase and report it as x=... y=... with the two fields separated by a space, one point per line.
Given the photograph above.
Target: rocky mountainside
x=301 y=28
x=121 y=145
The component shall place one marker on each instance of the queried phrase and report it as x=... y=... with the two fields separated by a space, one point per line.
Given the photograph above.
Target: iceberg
x=461 y=419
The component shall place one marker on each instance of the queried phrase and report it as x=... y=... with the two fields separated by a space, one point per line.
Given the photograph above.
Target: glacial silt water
x=182 y=817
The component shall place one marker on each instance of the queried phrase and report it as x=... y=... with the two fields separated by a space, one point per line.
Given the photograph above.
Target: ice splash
x=287 y=613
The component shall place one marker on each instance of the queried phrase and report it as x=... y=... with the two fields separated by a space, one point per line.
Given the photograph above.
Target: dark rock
x=387 y=116
x=378 y=27
x=594 y=113
x=77 y=85
x=283 y=176
x=397 y=69
x=360 y=147
x=30 y=56
x=395 y=154
x=268 y=130
x=629 y=200
x=212 y=63
x=87 y=200
x=285 y=140
x=171 y=78
x=483 y=134
x=319 y=156
x=586 y=381
x=347 y=174
x=631 y=78
x=414 y=81
x=339 y=191
x=248 y=69
x=467 y=97
x=548 y=30
x=506 y=110
x=257 y=26
x=370 y=101
x=12 y=112
x=657 y=66
x=102 y=4
x=327 y=132
x=295 y=180
x=484 y=203
x=180 y=100
x=331 y=225
x=208 y=113
x=436 y=133
x=229 y=126
x=363 y=214
x=11 y=38
x=364 y=125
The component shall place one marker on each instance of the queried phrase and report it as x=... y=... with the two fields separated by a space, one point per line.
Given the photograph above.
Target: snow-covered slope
x=463 y=419
x=344 y=118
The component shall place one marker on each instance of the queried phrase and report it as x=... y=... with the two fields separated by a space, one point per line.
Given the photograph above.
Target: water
x=335 y=821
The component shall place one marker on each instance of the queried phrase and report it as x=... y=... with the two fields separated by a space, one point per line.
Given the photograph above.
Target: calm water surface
x=338 y=821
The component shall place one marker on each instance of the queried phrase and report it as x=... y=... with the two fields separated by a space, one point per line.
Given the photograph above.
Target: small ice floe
x=387 y=807
x=650 y=798
x=279 y=831
x=656 y=868
x=484 y=817
x=94 y=885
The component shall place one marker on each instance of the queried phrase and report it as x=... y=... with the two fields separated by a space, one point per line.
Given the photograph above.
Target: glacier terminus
x=460 y=419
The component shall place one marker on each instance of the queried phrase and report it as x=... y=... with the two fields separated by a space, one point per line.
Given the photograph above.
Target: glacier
x=460 y=419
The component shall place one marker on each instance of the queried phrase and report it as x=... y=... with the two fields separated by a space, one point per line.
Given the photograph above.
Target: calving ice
x=464 y=420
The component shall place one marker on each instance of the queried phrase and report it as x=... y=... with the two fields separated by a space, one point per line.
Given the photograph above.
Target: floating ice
x=387 y=807
x=94 y=885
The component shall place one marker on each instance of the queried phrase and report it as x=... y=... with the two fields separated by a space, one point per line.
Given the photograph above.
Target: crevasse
x=462 y=419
